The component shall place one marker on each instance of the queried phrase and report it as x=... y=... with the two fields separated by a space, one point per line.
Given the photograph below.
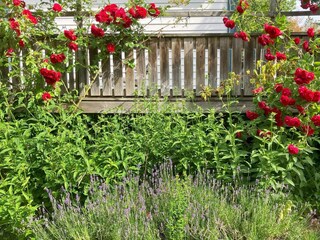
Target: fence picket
x=117 y=75
x=200 y=64
x=141 y=72
x=164 y=66
x=188 y=64
x=176 y=67
x=130 y=83
x=212 y=62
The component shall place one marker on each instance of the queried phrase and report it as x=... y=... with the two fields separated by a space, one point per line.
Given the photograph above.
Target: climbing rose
x=257 y=90
x=296 y=40
x=9 y=52
x=96 y=31
x=281 y=56
x=70 y=35
x=269 y=56
x=57 y=58
x=307 y=129
x=153 y=10
x=251 y=115
x=103 y=17
x=21 y=43
x=316 y=120
x=292 y=121
x=278 y=87
x=310 y=32
x=16 y=2
x=273 y=31
x=111 y=48
x=306 y=93
x=57 y=7
x=286 y=92
x=265 y=39
x=29 y=15
x=314 y=8
x=292 y=149
x=73 y=46
x=305 y=46
x=138 y=12
x=46 y=96
x=302 y=76
x=300 y=109
x=228 y=23
x=243 y=35
x=286 y=101
x=50 y=76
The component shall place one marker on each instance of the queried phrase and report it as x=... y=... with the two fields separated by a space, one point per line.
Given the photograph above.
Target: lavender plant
x=164 y=206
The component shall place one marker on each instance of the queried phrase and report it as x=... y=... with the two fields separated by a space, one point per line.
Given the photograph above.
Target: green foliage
x=166 y=207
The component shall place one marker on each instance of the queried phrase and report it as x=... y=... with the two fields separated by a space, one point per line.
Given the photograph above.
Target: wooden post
x=273 y=9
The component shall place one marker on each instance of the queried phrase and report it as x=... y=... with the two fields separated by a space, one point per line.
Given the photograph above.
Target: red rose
x=292 y=149
x=96 y=31
x=306 y=93
x=70 y=35
x=111 y=8
x=21 y=43
x=138 y=12
x=286 y=101
x=286 y=92
x=240 y=9
x=57 y=7
x=73 y=46
x=278 y=87
x=103 y=17
x=111 y=48
x=229 y=23
x=265 y=39
x=307 y=129
x=153 y=10
x=269 y=56
x=316 y=96
x=310 y=32
x=50 y=76
x=273 y=31
x=257 y=90
x=57 y=58
x=238 y=135
x=251 y=115
x=281 y=56
x=301 y=109
x=29 y=15
x=305 y=46
x=302 y=76
x=316 y=120
x=314 y=8
x=126 y=22
x=296 y=40
x=305 y=4
x=292 y=121
x=46 y=96
x=9 y=52
x=16 y=2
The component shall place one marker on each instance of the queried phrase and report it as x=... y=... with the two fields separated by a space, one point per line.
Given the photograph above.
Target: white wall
x=169 y=25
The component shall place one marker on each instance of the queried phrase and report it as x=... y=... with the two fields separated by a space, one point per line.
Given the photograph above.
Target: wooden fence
x=172 y=66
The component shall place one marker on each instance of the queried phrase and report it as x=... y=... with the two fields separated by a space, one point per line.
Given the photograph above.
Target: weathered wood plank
x=224 y=58
x=249 y=66
x=117 y=75
x=81 y=73
x=237 y=46
x=106 y=77
x=164 y=66
x=176 y=66
x=152 y=70
x=188 y=64
x=94 y=78
x=200 y=64
x=72 y=72
x=130 y=84
x=141 y=72
x=212 y=61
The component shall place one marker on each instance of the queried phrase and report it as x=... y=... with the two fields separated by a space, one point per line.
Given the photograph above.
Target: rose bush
x=35 y=56
x=286 y=95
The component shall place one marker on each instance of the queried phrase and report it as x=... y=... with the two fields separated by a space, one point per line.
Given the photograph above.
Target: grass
x=165 y=206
